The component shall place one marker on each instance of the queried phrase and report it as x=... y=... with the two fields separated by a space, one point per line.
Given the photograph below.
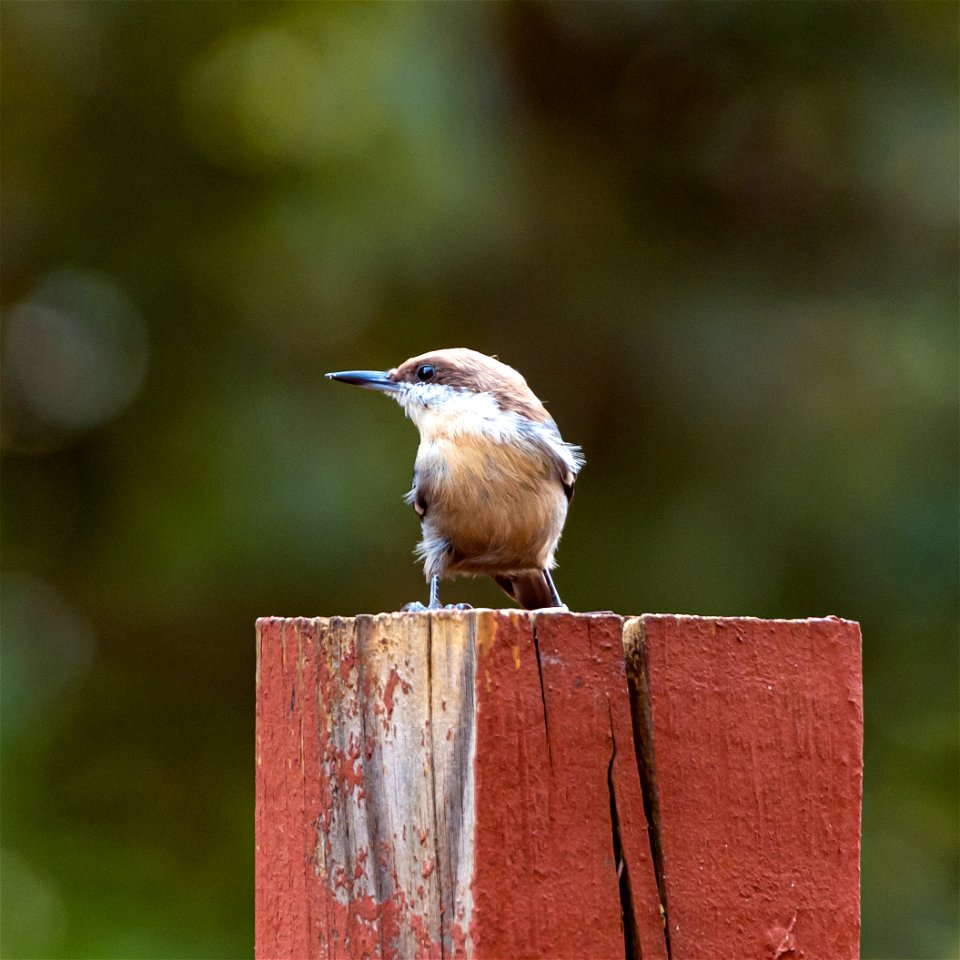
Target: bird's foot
x=415 y=606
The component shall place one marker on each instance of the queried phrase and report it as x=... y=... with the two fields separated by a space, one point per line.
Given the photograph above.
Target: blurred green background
x=721 y=238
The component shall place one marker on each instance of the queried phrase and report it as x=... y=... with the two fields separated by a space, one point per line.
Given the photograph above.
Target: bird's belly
x=499 y=506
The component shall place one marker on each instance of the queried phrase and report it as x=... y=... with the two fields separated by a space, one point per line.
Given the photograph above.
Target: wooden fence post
x=467 y=784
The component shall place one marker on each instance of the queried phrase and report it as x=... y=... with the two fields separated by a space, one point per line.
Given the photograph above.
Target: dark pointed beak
x=371 y=379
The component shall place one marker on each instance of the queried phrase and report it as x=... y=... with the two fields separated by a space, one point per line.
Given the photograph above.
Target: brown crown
x=469 y=370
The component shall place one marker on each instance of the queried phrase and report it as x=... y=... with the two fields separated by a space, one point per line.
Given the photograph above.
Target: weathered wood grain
x=476 y=784
x=449 y=784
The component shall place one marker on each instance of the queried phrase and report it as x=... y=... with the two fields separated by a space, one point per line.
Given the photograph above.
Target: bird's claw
x=414 y=606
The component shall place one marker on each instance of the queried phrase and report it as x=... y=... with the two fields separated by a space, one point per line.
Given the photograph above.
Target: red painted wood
x=757 y=730
x=310 y=905
x=281 y=883
x=545 y=881
x=297 y=914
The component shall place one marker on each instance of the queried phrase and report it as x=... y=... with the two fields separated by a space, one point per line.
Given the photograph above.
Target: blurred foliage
x=721 y=238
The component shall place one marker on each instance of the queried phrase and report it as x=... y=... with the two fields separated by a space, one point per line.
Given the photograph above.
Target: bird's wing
x=417 y=496
x=566 y=457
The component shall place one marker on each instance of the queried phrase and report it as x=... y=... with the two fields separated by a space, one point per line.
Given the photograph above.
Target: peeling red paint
x=392 y=682
x=309 y=906
x=428 y=946
x=756 y=716
x=781 y=941
x=304 y=911
x=348 y=660
x=459 y=940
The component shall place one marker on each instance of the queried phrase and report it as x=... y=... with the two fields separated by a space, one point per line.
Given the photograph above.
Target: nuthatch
x=493 y=477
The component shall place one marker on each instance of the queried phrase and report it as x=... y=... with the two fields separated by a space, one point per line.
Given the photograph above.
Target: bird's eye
x=425 y=372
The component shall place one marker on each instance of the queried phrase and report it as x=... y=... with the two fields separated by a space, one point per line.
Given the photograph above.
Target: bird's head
x=458 y=385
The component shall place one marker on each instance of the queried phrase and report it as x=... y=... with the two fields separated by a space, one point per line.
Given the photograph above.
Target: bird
x=492 y=478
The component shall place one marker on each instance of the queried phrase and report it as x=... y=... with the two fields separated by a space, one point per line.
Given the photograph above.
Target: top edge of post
x=446 y=614
x=739 y=620
x=558 y=612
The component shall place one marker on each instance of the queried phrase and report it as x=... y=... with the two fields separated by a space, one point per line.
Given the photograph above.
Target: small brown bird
x=493 y=477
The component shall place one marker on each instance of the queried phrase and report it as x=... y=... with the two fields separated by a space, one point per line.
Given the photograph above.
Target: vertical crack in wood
x=350 y=813
x=628 y=917
x=456 y=800
x=453 y=745
x=433 y=786
x=375 y=829
x=321 y=642
x=641 y=715
x=543 y=693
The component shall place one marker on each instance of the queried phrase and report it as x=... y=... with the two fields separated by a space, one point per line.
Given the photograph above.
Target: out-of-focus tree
x=721 y=238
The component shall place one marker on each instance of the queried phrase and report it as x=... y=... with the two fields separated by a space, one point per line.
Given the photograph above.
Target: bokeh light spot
x=46 y=645
x=271 y=95
x=75 y=350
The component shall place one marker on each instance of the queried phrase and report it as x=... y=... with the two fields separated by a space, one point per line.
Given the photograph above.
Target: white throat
x=441 y=411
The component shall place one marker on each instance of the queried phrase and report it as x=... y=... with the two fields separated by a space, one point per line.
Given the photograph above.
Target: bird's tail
x=532 y=589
